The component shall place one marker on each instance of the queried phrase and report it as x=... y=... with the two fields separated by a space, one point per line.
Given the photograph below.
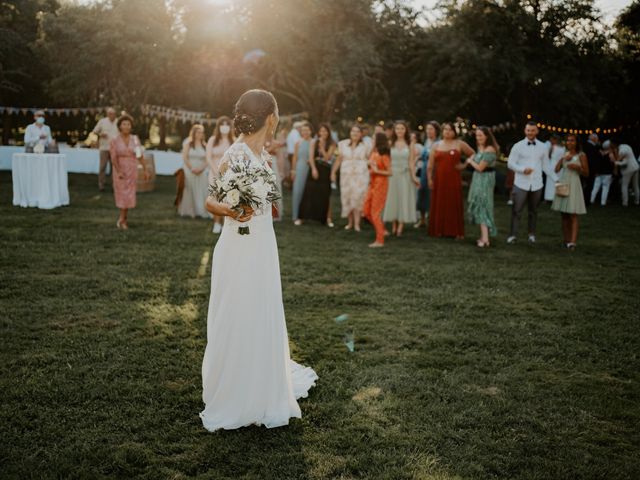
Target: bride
x=248 y=376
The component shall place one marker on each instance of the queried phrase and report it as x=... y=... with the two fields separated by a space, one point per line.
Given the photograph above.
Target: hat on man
x=606 y=146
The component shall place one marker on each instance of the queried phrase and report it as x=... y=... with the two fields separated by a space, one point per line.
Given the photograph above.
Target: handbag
x=562 y=189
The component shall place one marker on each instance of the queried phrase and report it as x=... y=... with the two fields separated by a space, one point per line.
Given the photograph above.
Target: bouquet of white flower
x=243 y=184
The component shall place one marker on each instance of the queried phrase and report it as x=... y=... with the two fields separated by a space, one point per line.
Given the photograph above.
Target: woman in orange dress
x=446 y=213
x=380 y=166
x=126 y=152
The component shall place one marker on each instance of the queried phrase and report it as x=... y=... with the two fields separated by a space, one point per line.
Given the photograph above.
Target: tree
x=317 y=58
x=627 y=63
x=115 y=52
x=22 y=73
x=494 y=60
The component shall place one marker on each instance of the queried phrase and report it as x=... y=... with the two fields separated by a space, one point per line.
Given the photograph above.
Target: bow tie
x=531 y=143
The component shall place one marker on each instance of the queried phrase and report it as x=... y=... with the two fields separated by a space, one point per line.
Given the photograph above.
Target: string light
x=579 y=131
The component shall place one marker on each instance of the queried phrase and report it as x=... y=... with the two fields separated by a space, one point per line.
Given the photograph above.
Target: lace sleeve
x=233 y=156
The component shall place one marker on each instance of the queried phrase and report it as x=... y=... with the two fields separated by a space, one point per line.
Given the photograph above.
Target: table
x=87 y=160
x=39 y=180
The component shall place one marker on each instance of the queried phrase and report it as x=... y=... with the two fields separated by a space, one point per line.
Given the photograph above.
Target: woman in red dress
x=446 y=213
x=380 y=167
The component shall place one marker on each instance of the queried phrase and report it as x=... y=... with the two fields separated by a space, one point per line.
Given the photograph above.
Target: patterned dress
x=574 y=203
x=377 y=195
x=401 y=198
x=216 y=153
x=354 y=176
x=125 y=164
x=480 y=208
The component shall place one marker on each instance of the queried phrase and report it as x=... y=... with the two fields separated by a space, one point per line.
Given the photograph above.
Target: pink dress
x=125 y=164
x=215 y=153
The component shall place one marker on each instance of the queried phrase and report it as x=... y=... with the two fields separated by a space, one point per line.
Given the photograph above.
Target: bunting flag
x=51 y=111
x=179 y=114
x=189 y=116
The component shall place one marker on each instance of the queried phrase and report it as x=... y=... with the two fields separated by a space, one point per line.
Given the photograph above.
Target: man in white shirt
x=292 y=139
x=622 y=156
x=38 y=132
x=366 y=137
x=528 y=160
x=107 y=130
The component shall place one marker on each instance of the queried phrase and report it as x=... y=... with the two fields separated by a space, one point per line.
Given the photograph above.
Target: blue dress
x=302 y=172
x=424 y=194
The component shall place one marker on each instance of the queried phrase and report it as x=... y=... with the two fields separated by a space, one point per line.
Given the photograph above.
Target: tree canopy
x=488 y=60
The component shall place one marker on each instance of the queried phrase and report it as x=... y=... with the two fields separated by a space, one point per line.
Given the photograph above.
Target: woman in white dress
x=556 y=152
x=353 y=163
x=219 y=142
x=248 y=375
x=196 y=182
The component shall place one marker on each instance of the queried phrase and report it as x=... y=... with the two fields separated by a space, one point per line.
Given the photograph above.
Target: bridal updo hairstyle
x=251 y=111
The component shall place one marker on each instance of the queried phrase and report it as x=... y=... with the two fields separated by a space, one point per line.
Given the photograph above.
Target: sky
x=610 y=8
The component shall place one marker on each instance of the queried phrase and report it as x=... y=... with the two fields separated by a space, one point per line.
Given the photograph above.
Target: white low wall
x=87 y=160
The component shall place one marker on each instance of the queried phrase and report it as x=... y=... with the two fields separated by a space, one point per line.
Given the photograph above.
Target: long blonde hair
x=192 y=135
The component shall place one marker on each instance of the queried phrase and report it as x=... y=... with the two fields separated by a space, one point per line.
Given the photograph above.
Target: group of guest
x=391 y=178
x=201 y=163
x=117 y=145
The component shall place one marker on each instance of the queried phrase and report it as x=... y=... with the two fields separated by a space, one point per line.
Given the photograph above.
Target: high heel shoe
x=482 y=244
x=118 y=224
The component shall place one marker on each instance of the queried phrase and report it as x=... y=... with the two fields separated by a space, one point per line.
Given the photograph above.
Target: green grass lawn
x=514 y=362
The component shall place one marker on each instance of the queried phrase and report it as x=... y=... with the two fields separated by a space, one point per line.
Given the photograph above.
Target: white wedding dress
x=248 y=376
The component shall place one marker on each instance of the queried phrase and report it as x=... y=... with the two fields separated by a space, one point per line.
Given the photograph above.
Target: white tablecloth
x=87 y=160
x=39 y=180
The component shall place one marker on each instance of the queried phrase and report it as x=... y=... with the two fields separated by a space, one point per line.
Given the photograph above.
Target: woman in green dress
x=483 y=183
x=400 y=207
x=571 y=204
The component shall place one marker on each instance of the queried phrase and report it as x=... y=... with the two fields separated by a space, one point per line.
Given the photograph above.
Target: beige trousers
x=105 y=157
